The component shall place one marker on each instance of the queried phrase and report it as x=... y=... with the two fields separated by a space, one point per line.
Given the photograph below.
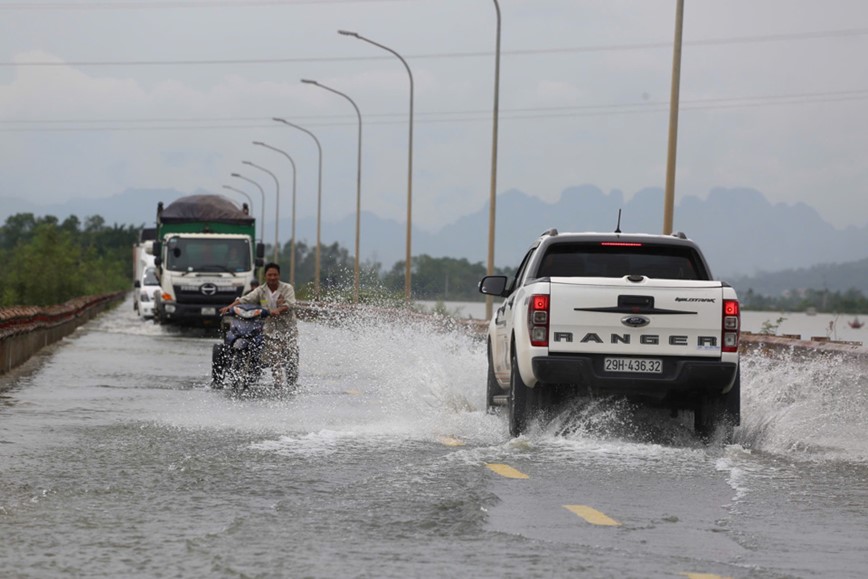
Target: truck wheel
x=492 y=387
x=520 y=401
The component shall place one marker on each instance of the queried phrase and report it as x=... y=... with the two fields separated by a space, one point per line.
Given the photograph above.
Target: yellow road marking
x=354 y=392
x=592 y=515
x=450 y=441
x=704 y=576
x=506 y=470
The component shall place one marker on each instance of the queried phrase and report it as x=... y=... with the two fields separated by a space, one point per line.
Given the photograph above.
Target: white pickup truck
x=612 y=314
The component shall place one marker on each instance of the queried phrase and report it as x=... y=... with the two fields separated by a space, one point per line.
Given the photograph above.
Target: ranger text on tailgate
x=612 y=314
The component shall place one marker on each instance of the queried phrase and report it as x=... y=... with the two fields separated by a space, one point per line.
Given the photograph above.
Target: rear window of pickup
x=596 y=260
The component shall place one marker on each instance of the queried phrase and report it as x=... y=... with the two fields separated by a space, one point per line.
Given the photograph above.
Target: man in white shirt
x=281 y=331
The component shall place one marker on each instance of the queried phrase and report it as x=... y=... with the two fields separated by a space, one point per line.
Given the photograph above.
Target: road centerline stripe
x=505 y=470
x=592 y=515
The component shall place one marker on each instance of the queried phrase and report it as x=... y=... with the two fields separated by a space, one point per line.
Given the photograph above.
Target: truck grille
x=206 y=294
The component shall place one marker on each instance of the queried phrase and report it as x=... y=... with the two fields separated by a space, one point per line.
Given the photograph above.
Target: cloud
x=583 y=99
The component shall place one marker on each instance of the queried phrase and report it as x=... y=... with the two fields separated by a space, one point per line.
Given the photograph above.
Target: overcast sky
x=100 y=96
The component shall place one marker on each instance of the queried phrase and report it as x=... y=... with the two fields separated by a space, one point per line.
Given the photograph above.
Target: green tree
x=47 y=262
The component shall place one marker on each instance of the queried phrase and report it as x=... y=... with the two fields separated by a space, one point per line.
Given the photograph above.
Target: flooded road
x=118 y=459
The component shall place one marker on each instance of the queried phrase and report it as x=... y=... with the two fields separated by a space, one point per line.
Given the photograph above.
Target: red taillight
x=730 y=308
x=538 y=320
x=731 y=325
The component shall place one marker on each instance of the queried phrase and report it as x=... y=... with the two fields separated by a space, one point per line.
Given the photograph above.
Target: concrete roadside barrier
x=24 y=330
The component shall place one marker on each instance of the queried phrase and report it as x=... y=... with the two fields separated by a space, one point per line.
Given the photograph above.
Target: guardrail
x=766 y=344
x=24 y=330
x=750 y=342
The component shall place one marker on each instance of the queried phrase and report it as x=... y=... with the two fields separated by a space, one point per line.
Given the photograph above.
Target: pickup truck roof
x=597 y=254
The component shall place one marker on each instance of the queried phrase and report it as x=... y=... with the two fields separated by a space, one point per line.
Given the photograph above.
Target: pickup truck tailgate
x=649 y=318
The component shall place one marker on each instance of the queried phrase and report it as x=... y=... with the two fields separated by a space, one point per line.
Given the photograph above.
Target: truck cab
x=205 y=254
x=201 y=273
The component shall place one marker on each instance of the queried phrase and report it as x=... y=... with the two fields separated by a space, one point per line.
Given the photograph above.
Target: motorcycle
x=237 y=361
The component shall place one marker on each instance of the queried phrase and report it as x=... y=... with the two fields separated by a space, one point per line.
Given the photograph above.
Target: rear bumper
x=146 y=309
x=681 y=377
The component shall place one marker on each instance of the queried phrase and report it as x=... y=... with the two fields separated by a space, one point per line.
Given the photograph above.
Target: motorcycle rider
x=281 y=331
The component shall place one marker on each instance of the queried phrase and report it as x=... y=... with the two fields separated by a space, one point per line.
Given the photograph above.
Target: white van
x=146 y=286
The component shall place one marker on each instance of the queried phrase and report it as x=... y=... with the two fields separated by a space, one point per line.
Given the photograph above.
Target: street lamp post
x=292 y=240
x=669 y=194
x=316 y=274
x=358 y=184
x=493 y=191
x=407 y=269
x=261 y=192
x=249 y=199
x=276 y=207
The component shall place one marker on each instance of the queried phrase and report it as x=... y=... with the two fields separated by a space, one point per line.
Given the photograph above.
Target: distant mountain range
x=744 y=236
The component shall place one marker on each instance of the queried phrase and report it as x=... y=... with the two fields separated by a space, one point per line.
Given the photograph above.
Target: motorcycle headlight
x=247 y=314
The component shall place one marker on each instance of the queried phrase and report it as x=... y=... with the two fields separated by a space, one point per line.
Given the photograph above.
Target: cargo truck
x=205 y=255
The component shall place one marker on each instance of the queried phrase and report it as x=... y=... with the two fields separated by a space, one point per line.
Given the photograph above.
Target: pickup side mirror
x=493 y=285
x=260 y=251
x=137 y=284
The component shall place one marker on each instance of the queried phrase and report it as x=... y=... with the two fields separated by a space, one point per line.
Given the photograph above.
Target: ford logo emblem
x=208 y=289
x=635 y=321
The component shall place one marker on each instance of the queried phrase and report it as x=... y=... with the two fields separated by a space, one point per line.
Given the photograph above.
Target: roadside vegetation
x=851 y=301
x=46 y=261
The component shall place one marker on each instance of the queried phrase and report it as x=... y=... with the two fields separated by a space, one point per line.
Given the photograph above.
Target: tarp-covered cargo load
x=213 y=208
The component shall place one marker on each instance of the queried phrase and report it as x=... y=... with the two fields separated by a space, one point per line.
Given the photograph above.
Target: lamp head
x=309 y=81
x=236 y=174
x=258 y=143
x=348 y=33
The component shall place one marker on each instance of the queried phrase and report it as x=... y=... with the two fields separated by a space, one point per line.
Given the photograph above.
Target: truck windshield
x=201 y=254
x=592 y=260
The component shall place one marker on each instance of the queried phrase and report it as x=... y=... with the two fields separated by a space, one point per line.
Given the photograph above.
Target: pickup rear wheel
x=722 y=412
x=706 y=415
x=520 y=401
x=492 y=387
x=733 y=400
